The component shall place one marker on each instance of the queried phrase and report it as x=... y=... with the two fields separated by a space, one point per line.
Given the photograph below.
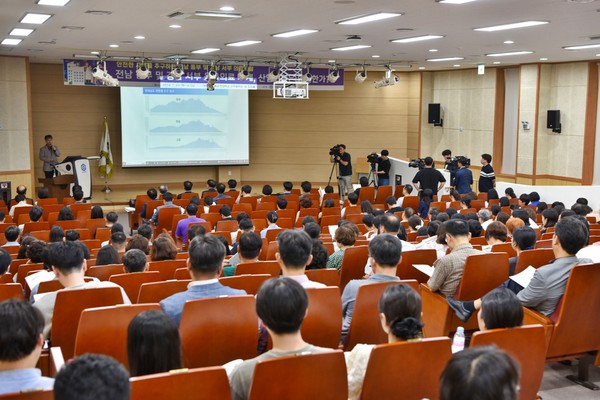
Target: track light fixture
x=243 y=74
x=177 y=71
x=211 y=78
x=99 y=72
x=142 y=71
x=333 y=75
x=361 y=76
x=273 y=75
x=307 y=77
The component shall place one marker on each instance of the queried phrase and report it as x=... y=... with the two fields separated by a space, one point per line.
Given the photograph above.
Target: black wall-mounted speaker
x=553 y=120
x=434 y=115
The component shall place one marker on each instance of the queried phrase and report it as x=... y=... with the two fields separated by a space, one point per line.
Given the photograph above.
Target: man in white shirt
x=21 y=202
x=485 y=218
x=295 y=253
x=69 y=265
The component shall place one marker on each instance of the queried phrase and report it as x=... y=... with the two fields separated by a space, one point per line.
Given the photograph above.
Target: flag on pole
x=105 y=165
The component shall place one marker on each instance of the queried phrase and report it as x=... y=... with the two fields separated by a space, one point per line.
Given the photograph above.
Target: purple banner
x=80 y=73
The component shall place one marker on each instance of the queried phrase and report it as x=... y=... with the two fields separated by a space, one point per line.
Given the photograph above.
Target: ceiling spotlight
x=243 y=74
x=142 y=71
x=273 y=75
x=361 y=76
x=333 y=76
x=211 y=78
x=307 y=77
x=177 y=71
x=99 y=72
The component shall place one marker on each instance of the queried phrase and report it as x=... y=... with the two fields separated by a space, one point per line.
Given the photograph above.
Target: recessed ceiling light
x=433 y=50
x=11 y=42
x=206 y=50
x=515 y=25
x=216 y=14
x=375 y=56
x=98 y=12
x=94 y=52
x=445 y=59
x=113 y=45
x=227 y=8
x=52 y=2
x=543 y=59
x=510 y=53
x=508 y=42
x=421 y=67
x=297 y=32
x=367 y=18
x=243 y=43
x=582 y=47
x=354 y=47
x=456 y=65
x=331 y=61
x=455 y=1
x=597 y=55
x=416 y=39
x=139 y=37
x=175 y=26
x=34 y=18
x=20 y=32
x=496 y=62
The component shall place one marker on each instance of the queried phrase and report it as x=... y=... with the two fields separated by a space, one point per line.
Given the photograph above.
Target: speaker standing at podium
x=49 y=155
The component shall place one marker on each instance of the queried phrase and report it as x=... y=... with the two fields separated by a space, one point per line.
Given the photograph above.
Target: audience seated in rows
x=549 y=281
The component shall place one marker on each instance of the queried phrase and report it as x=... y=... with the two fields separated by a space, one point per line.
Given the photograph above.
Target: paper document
x=129 y=209
x=424 y=268
x=523 y=278
x=35 y=279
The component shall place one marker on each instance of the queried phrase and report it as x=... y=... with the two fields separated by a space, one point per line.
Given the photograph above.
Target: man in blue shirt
x=20 y=348
x=464 y=177
x=205 y=262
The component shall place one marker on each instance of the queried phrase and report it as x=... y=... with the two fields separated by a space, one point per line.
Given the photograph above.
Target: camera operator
x=345 y=169
x=450 y=165
x=429 y=178
x=383 y=168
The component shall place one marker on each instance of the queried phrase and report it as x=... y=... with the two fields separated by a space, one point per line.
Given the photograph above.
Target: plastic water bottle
x=458 y=342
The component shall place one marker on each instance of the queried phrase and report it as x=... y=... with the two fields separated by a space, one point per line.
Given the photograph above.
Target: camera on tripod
x=373 y=158
x=335 y=150
x=417 y=163
x=454 y=162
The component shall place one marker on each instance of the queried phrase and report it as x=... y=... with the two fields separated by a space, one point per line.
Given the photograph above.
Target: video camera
x=453 y=163
x=335 y=151
x=373 y=158
x=417 y=163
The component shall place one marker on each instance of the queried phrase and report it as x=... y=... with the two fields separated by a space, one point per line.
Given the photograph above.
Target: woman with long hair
x=400 y=316
x=153 y=344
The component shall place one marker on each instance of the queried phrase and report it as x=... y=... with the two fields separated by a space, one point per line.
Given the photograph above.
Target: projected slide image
x=182 y=126
x=177 y=125
x=183 y=143
x=180 y=105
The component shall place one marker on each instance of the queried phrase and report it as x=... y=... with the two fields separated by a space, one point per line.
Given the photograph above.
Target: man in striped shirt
x=487 y=179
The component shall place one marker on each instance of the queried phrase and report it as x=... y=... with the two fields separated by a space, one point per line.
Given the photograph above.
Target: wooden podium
x=59 y=186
